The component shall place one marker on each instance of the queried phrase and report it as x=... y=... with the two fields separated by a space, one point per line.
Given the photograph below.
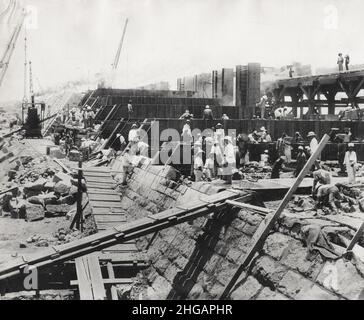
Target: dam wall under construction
x=196 y=260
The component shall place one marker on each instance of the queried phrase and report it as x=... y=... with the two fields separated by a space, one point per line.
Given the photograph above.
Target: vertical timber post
x=79 y=222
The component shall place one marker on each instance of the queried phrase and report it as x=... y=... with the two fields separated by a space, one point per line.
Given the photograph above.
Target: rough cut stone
x=293 y=283
x=271 y=271
x=247 y=291
x=34 y=188
x=162 y=288
x=276 y=245
x=315 y=293
x=343 y=278
x=62 y=187
x=34 y=212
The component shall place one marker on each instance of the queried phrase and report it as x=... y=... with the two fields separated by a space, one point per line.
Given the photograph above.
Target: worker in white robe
x=187 y=133
x=198 y=166
x=229 y=162
x=313 y=147
x=219 y=133
x=264 y=159
x=209 y=169
x=133 y=133
x=350 y=162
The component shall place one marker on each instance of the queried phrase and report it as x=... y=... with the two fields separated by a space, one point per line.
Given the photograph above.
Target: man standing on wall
x=347 y=61
x=130 y=109
x=340 y=62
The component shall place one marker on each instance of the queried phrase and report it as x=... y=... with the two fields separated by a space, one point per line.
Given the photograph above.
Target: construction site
x=243 y=182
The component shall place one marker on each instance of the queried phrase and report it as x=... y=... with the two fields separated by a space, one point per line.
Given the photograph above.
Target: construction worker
x=186 y=116
x=90 y=115
x=264 y=159
x=142 y=148
x=280 y=145
x=224 y=117
x=350 y=162
x=209 y=169
x=187 y=133
x=347 y=61
x=122 y=142
x=253 y=137
x=340 y=61
x=326 y=195
x=313 y=147
x=229 y=160
x=261 y=104
x=130 y=108
x=321 y=177
x=133 y=133
x=290 y=72
x=264 y=135
x=73 y=114
x=301 y=161
x=127 y=166
x=219 y=133
x=277 y=167
x=297 y=137
x=198 y=165
x=207 y=114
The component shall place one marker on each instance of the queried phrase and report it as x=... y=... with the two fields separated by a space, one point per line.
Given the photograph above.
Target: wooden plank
x=260 y=238
x=83 y=277
x=104 y=197
x=108 y=211
x=261 y=210
x=105 y=204
x=98 y=186
x=96 y=174
x=102 y=191
x=99 y=180
x=98 y=288
x=122 y=247
x=94 y=169
x=109 y=281
x=110 y=270
x=126 y=257
x=106 y=220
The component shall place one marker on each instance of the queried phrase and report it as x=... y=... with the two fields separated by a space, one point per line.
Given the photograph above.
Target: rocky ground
x=38 y=209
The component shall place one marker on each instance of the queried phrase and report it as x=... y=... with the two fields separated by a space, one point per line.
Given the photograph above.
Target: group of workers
x=343 y=60
x=75 y=116
x=207 y=115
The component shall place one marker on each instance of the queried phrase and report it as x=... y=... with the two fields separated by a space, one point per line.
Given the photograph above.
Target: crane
x=117 y=56
x=5 y=60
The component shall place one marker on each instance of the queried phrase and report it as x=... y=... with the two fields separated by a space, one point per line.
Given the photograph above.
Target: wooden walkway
x=107 y=210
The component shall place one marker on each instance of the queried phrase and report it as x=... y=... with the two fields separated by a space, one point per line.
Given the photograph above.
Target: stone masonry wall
x=196 y=260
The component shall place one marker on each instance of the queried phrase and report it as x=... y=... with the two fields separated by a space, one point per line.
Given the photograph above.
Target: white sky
x=166 y=39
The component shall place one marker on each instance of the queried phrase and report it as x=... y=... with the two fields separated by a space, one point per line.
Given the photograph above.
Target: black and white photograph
x=201 y=151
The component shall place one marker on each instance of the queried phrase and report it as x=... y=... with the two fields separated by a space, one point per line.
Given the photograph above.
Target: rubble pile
x=61 y=236
x=39 y=194
x=254 y=171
